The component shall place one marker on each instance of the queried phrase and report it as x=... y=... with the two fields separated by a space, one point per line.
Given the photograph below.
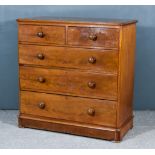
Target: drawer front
x=42 y=34
x=93 y=111
x=71 y=82
x=102 y=60
x=93 y=37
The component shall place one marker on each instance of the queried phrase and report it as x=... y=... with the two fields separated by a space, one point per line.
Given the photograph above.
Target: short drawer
x=102 y=60
x=69 y=81
x=93 y=37
x=93 y=111
x=42 y=34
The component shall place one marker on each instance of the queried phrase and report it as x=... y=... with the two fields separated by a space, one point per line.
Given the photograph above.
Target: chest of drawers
x=76 y=75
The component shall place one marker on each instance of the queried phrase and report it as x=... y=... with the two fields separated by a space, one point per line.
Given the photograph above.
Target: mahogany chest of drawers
x=76 y=75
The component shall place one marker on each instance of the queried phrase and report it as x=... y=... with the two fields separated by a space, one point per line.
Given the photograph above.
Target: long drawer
x=68 y=81
x=93 y=111
x=101 y=60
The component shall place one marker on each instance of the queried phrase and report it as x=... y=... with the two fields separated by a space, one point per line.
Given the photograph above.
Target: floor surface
x=141 y=136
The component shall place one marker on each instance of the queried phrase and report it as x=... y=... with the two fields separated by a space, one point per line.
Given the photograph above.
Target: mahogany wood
x=48 y=34
x=72 y=82
x=85 y=36
x=76 y=76
x=101 y=112
x=78 y=58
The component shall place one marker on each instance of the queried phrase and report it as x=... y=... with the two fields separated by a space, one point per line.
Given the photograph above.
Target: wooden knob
x=93 y=37
x=91 y=84
x=41 y=105
x=92 y=60
x=40 y=56
x=91 y=111
x=40 y=34
x=41 y=79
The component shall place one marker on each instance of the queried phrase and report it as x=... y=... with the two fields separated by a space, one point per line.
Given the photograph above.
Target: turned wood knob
x=40 y=56
x=40 y=34
x=91 y=84
x=91 y=111
x=93 y=37
x=92 y=60
x=41 y=79
x=41 y=105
